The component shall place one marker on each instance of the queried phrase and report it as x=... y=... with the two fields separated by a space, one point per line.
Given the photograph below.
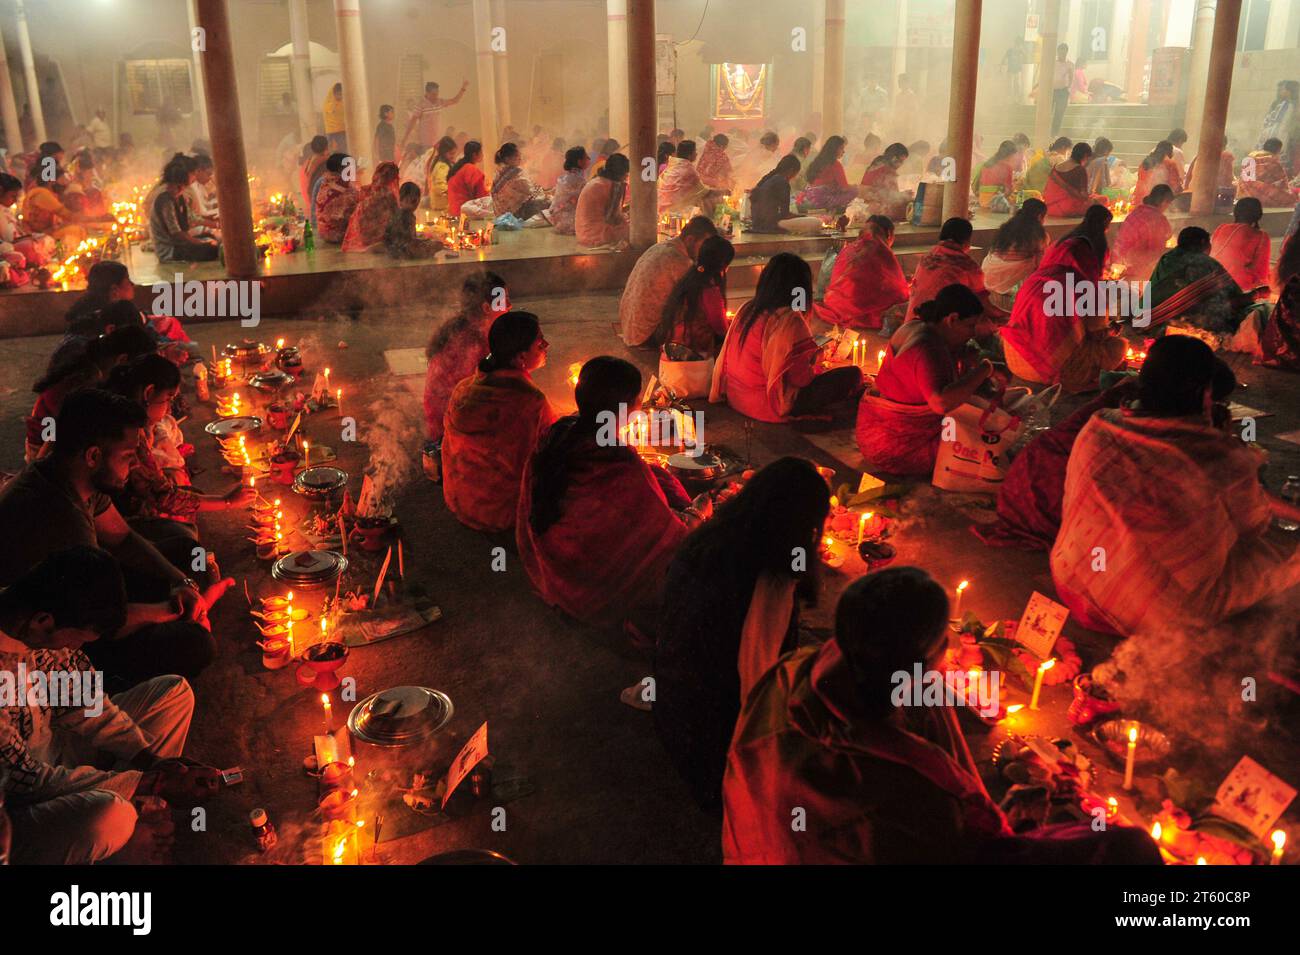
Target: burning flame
x=961 y=587
x=1133 y=735
x=1157 y=831
x=1047 y=664
x=1279 y=839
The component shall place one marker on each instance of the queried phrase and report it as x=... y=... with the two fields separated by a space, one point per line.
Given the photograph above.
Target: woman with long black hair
x=695 y=314
x=466 y=180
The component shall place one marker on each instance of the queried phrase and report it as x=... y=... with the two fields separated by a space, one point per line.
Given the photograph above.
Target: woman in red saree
x=926 y=373
x=460 y=343
x=1263 y=176
x=866 y=280
x=1015 y=253
x=1066 y=192
x=879 y=188
x=695 y=315
x=767 y=369
x=1142 y=237
x=1242 y=247
x=336 y=200
x=1281 y=340
x=1047 y=340
x=714 y=166
x=597 y=526
x=494 y=420
x=1157 y=168
x=995 y=180
x=375 y=208
x=466 y=181
x=948 y=263
x=828 y=186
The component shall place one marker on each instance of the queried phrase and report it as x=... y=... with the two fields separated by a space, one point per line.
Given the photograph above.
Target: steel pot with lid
x=402 y=730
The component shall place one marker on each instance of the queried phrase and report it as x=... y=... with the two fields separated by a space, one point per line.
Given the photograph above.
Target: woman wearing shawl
x=313 y=165
x=1142 y=237
x=1099 y=166
x=731 y=580
x=767 y=367
x=1191 y=287
x=866 y=280
x=1242 y=247
x=695 y=315
x=375 y=208
x=828 y=186
x=1177 y=503
x=997 y=175
x=599 y=219
x=1066 y=193
x=948 y=263
x=1015 y=253
x=1281 y=342
x=597 y=526
x=494 y=420
x=564 y=204
x=435 y=179
x=927 y=372
x=1040 y=168
x=879 y=187
x=336 y=200
x=466 y=181
x=512 y=193
x=1047 y=340
x=1156 y=169
x=1269 y=181
x=680 y=186
x=714 y=166
x=460 y=343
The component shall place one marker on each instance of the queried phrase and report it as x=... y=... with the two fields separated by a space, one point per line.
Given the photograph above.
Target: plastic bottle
x=263 y=831
x=1290 y=493
x=308 y=237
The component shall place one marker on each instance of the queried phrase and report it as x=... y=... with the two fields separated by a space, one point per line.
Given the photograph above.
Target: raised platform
x=534 y=262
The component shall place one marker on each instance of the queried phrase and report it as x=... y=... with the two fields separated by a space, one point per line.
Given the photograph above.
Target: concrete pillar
x=898 y=64
x=360 y=121
x=8 y=108
x=1214 y=116
x=227 y=133
x=196 y=89
x=300 y=69
x=1047 y=33
x=489 y=128
x=616 y=32
x=1137 y=50
x=29 y=71
x=833 y=84
x=1198 y=72
x=501 y=66
x=1117 y=40
x=644 y=194
x=961 y=105
x=1283 y=30
x=818 y=40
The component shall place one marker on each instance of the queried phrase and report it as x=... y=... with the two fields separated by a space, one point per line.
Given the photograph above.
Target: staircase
x=1134 y=128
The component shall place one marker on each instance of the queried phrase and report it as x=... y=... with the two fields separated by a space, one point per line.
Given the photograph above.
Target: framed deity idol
x=740 y=89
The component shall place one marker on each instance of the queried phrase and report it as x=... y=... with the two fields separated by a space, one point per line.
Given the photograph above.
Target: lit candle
x=1012 y=710
x=862 y=526
x=1038 y=680
x=306 y=452
x=289 y=628
x=1200 y=860
x=279 y=343
x=956 y=612
x=880 y=359
x=323 y=627
x=339 y=400
x=327 y=379
x=1157 y=831
x=1279 y=843
x=1131 y=758
x=329 y=712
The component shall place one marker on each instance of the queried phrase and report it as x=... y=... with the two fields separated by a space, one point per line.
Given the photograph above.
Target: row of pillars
x=633 y=113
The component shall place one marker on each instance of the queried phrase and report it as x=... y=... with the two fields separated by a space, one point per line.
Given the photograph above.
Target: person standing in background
x=1062 y=80
x=386 y=136
x=335 y=120
x=426 y=115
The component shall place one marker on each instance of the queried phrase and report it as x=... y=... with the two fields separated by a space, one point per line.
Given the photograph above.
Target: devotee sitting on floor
x=1190 y=287
x=995 y=179
x=1052 y=339
x=45 y=213
x=608 y=148
x=1263 y=176
x=64 y=500
x=732 y=584
x=1066 y=192
x=1242 y=247
x=1226 y=179
x=413 y=165
x=441 y=158
x=663 y=152
x=948 y=263
x=695 y=315
x=460 y=343
x=109 y=302
x=494 y=420
x=758 y=161
x=466 y=181
x=1040 y=169
x=1281 y=343
x=1099 y=166
x=928 y=371
x=551 y=164
x=828 y=186
x=73 y=771
x=599 y=218
x=641 y=307
x=866 y=280
x=314 y=156
x=880 y=783
x=769 y=202
x=597 y=526
x=879 y=187
x=564 y=204
x=401 y=240
x=1143 y=236
x=376 y=204
x=1015 y=252
x=174 y=239
x=336 y=200
x=85 y=195
x=680 y=186
x=767 y=368
x=1177 y=503
x=714 y=166
x=512 y=193
x=20 y=248
x=1158 y=168
x=201 y=198
x=801 y=150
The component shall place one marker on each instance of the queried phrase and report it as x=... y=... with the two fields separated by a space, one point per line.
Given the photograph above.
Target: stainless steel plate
x=308 y=568
x=400 y=715
x=240 y=424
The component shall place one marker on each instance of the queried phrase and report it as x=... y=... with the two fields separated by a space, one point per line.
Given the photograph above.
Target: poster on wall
x=740 y=90
x=665 y=66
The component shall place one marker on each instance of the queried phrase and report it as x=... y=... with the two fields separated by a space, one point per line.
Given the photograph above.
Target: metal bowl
x=400 y=716
x=308 y=569
x=240 y=424
x=1153 y=745
x=685 y=467
x=318 y=483
x=272 y=380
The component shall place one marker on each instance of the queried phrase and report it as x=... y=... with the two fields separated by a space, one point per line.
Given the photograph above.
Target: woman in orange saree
x=948 y=263
x=866 y=280
x=1066 y=192
x=1263 y=176
x=374 y=210
x=1142 y=237
x=1242 y=247
x=1158 y=167
x=879 y=186
x=494 y=420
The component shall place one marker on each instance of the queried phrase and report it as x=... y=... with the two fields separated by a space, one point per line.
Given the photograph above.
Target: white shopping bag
x=973 y=447
x=686 y=379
